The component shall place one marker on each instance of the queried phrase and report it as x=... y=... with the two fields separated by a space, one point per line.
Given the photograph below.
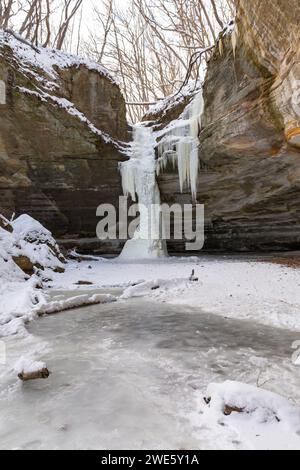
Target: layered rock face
x=61 y=132
x=250 y=140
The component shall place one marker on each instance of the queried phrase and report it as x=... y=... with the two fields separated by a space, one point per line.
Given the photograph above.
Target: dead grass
x=288 y=262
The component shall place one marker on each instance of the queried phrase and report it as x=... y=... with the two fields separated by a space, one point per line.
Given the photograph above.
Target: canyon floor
x=134 y=373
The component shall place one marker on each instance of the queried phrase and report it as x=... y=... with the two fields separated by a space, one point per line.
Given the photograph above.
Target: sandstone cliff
x=250 y=139
x=61 y=129
x=63 y=120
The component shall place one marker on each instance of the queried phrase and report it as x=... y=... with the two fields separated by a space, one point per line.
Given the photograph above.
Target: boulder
x=31 y=246
x=24 y=263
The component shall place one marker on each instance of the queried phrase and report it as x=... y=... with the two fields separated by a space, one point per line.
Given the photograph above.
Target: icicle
x=128 y=174
x=194 y=126
x=139 y=179
x=183 y=136
x=183 y=152
x=174 y=160
x=194 y=171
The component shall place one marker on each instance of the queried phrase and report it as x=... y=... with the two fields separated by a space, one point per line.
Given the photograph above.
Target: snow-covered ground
x=264 y=292
x=158 y=347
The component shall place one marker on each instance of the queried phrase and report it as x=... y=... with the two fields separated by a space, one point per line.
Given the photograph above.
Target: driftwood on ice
x=34 y=375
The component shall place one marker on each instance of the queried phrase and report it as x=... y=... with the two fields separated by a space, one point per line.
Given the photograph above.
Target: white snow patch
x=166 y=104
x=73 y=302
x=233 y=288
x=26 y=365
x=268 y=421
x=146 y=288
x=18 y=302
x=48 y=59
x=19 y=295
x=29 y=239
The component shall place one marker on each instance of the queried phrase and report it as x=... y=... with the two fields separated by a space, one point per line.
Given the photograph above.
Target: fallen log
x=228 y=410
x=84 y=283
x=35 y=375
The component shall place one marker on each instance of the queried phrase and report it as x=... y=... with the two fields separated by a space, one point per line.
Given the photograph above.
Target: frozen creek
x=130 y=375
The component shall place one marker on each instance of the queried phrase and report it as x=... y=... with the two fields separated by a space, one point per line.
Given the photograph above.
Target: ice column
x=180 y=145
x=139 y=182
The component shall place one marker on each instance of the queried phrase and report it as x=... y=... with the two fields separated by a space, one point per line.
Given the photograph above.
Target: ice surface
x=130 y=375
x=229 y=286
x=133 y=374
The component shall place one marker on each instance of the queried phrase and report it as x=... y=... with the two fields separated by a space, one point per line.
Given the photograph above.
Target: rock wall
x=61 y=129
x=250 y=139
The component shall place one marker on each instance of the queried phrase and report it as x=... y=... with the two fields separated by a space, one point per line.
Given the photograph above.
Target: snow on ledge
x=70 y=108
x=42 y=64
x=170 y=102
x=48 y=59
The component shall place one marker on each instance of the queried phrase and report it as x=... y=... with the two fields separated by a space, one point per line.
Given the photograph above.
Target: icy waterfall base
x=139 y=182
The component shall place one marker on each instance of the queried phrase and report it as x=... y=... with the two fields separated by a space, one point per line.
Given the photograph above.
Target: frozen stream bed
x=131 y=375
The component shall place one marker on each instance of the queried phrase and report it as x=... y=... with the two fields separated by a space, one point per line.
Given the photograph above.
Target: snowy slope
x=30 y=239
x=46 y=60
x=19 y=295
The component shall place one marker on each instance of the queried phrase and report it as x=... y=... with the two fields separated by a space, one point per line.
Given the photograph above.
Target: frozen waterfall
x=180 y=145
x=139 y=182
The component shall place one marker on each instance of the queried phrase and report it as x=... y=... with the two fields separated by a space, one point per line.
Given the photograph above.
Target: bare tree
x=69 y=11
x=152 y=46
x=35 y=20
x=6 y=12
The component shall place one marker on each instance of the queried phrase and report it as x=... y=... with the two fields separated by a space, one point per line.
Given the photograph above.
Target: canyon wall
x=61 y=131
x=250 y=138
x=63 y=128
